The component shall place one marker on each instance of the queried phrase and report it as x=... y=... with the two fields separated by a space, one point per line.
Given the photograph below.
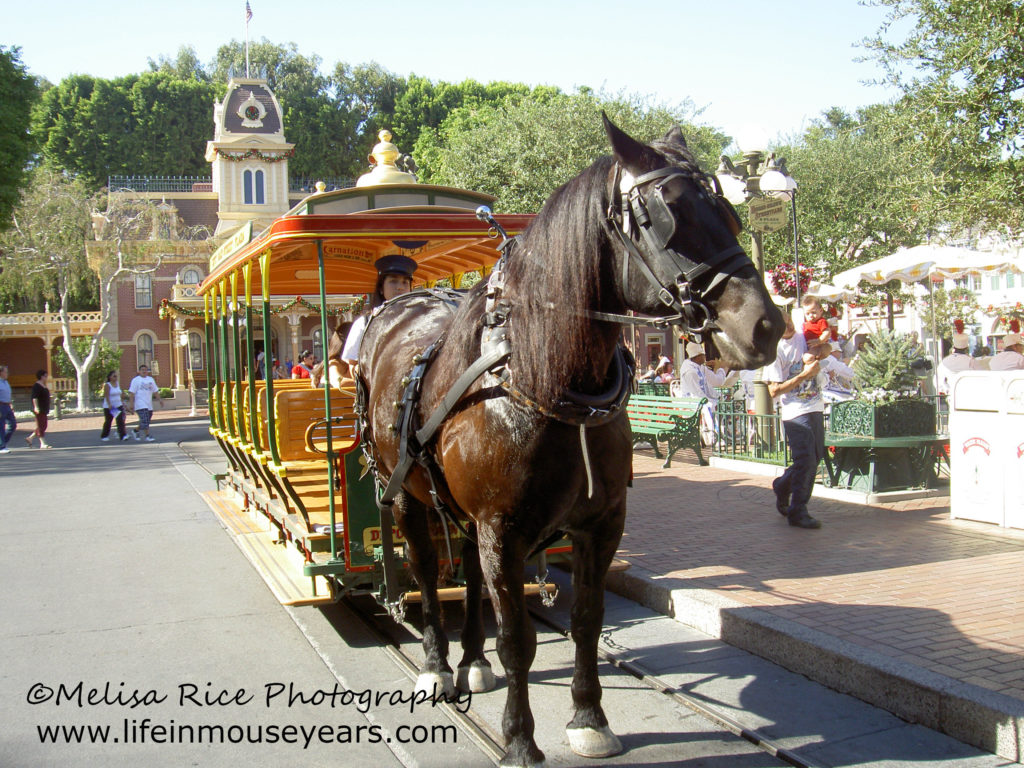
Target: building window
x=144 y=350
x=960 y=282
x=252 y=188
x=318 y=347
x=143 y=292
x=1009 y=279
x=195 y=350
x=995 y=282
x=976 y=282
x=191 y=276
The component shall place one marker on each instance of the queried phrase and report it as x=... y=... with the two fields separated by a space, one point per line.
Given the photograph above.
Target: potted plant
x=887 y=400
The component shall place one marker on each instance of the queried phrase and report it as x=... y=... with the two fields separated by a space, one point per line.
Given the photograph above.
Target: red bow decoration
x=959 y=325
x=1015 y=325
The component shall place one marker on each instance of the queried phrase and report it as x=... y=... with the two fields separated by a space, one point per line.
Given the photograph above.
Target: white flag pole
x=248 y=16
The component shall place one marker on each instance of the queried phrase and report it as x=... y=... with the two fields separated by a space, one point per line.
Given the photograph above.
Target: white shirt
x=355 y=336
x=950 y=366
x=1007 y=360
x=143 y=387
x=839 y=374
x=805 y=398
x=693 y=381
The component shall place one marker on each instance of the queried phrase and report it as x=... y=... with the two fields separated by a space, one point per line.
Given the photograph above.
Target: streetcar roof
x=435 y=226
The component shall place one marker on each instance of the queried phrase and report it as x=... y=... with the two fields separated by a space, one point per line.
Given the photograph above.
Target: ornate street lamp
x=760 y=181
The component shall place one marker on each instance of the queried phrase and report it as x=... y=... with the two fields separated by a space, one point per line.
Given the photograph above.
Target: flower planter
x=899 y=418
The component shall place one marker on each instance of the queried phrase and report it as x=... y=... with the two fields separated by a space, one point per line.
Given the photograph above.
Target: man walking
x=7 y=421
x=142 y=391
x=795 y=378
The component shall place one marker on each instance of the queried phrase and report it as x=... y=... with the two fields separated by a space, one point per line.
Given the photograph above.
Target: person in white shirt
x=1010 y=359
x=394 y=277
x=697 y=380
x=956 y=361
x=141 y=393
x=797 y=381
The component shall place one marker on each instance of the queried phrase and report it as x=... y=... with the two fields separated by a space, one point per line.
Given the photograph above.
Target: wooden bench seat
x=674 y=420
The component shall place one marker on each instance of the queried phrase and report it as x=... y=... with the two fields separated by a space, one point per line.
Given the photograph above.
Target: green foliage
x=947 y=306
x=961 y=69
x=44 y=251
x=108 y=358
x=18 y=92
x=863 y=191
x=883 y=366
x=166 y=393
x=150 y=124
x=523 y=148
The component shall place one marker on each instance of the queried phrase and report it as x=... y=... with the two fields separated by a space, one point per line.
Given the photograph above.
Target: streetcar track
x=492 y=744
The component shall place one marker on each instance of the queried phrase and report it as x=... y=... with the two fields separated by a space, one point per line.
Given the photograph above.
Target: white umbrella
x=830 y=292
x=912 y=265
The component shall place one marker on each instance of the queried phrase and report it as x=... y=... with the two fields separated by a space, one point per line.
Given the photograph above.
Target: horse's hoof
x=477 y=677
x=593 y=742
x=436 y=684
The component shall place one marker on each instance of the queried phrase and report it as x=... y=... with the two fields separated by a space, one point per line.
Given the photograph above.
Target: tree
x=149 y=124
x=18 y=92
x=961 y=69
x=522 y=149
x=942 y=308
x=108 y=358
x=47 y=240
x=863 y=191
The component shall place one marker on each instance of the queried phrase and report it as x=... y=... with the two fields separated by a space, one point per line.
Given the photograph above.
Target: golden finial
x=384 y=161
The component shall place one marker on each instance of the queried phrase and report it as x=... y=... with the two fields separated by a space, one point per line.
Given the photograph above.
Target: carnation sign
x=768 y=214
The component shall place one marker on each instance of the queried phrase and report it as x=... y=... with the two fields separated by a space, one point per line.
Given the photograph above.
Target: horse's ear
x=628 y=151
x=675 y=136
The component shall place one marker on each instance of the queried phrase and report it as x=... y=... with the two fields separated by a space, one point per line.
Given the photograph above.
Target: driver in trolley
x=394 y=277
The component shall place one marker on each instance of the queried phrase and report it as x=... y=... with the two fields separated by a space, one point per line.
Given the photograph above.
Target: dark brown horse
x=540 y=442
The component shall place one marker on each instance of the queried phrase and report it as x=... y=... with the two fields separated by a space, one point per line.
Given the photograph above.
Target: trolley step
x=270 y=560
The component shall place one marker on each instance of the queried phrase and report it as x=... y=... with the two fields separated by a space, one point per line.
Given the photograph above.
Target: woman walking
x=113 y=408
x=41 y=409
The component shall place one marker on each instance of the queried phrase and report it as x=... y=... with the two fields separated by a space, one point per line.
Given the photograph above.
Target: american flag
x=248 y=12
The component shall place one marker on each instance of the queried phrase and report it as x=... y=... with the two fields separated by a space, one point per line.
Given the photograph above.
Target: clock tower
x=249 y=155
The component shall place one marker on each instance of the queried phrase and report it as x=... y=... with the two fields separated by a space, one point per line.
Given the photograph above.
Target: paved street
x=116 y=572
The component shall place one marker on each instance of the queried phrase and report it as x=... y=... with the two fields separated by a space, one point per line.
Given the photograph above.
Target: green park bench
x=673 y=420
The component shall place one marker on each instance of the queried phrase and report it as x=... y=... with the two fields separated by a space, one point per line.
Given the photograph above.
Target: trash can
x=1013 y=465
x=976 y=447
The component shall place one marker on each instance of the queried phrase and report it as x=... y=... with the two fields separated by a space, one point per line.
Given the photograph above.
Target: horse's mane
x=553 y=279
x=557 y=274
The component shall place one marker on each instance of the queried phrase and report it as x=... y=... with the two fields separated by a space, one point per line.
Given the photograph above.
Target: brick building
x=156 y=317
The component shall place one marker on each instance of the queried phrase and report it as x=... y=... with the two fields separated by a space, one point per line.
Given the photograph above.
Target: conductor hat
x=693 y=349
x=1011 y=339
x=395 y=264
x=961 y=341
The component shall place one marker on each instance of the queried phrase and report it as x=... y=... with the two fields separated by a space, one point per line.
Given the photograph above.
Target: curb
x=982 y=718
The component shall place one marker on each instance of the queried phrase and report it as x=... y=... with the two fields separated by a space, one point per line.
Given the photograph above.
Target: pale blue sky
x=752 y=64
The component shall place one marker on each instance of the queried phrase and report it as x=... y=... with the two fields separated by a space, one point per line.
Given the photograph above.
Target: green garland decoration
x=169 y=308
x=254 y=154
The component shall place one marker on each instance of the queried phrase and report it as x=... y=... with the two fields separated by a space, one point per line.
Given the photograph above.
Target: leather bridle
x=646 y=226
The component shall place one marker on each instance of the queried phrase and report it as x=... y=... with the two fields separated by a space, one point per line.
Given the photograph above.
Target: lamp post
x=761 y=181
x=183 y=343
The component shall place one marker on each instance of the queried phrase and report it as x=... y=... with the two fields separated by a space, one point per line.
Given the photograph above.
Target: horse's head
x=679 y=253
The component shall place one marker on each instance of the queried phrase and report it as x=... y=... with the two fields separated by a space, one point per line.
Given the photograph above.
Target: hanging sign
x=768 y=214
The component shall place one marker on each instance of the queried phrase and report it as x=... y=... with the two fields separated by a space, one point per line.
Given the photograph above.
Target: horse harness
x=657 y=227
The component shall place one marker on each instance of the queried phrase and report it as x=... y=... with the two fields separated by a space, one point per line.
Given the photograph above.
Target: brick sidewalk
x=900 y=579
